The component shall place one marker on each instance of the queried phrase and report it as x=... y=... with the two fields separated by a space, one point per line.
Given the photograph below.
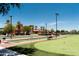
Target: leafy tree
x=73 y=31
x=62 y=31
x=2 y=32
x=58 y=31
x=32 y=26
x=66 y=32
x=27 y=29
x=5 y=7
x=9 y=28
x=77 y=32
x=52 y=30
x=4 y=10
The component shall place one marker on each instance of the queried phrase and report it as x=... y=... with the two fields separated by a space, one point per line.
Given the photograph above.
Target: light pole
x=46 y=28
x=56 y=22
x=46 y=31
x=11 y=25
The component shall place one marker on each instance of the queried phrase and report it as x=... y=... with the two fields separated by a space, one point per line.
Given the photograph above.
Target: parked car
x=50 y=36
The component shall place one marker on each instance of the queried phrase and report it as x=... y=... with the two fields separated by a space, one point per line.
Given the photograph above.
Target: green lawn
x=28 y=49
x=65 y=46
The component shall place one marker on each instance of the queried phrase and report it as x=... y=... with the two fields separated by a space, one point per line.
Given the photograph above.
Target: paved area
x=10 y=44
x=28 y=38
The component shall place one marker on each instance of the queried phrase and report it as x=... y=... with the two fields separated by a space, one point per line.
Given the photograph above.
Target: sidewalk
x=28 y=38
x=9 y=44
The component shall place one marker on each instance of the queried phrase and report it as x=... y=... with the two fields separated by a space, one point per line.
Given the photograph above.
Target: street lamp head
x=57 y=14
x=10 y=16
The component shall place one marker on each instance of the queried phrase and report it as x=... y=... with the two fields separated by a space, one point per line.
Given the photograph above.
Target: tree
x=36 y=27
x=8 y=28
x=19 y=28
x=52 y=30
x=8 y=21
x=57 y=32
x=66 y=32
x=78 y=32
x=32 y=28
x=62 y=32
x=42 y=28
x=5 y=7
x=27 y=29
x=73 y=31
x=2 y=32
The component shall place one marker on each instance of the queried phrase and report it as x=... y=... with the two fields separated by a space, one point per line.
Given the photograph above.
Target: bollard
x=4 y=38
x=49 y=37
x=0 y=41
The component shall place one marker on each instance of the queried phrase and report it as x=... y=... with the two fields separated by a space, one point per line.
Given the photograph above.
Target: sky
x=40 y=14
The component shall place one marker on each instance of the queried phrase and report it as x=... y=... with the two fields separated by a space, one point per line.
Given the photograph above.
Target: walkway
x=10 y=44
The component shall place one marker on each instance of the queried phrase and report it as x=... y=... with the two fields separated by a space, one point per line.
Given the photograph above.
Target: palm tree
x=42 y=28
x=19 y=28
x=36 y=27
x=7 y=21
x=32 y=28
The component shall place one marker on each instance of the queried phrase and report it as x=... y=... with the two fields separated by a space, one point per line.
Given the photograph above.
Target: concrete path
x=10 y=44
x=37 y=37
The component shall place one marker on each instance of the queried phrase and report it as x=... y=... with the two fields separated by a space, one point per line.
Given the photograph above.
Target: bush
x=2 y=33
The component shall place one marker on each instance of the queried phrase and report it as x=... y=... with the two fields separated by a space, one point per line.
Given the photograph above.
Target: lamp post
x=46 y=30
x=56 y=22
x=11 y=25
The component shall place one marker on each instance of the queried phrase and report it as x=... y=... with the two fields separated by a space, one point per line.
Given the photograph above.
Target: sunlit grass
x=68 y=45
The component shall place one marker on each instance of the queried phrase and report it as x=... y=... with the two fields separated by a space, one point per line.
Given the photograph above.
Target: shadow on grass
x=32 y=51
x=26 y=51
